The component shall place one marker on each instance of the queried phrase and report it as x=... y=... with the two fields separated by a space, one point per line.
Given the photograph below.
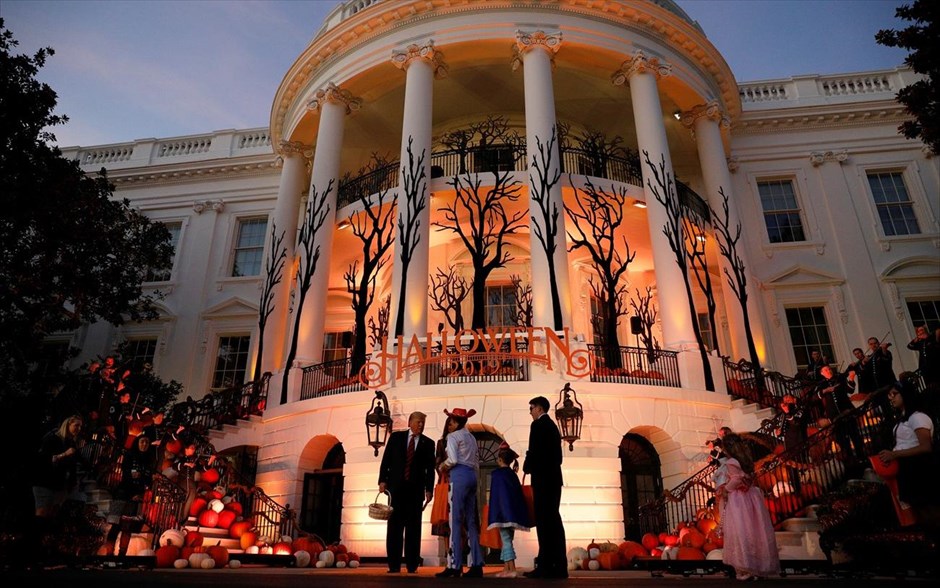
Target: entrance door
x=641 y=480
x=487 y=446
x=322 y=507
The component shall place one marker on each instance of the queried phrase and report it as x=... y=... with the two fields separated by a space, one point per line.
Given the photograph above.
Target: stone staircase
x=747 y=416
x=798 y=538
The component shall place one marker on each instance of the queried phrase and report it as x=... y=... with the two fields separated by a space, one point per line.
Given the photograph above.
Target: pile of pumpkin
x=187 y=550
x=693 y=540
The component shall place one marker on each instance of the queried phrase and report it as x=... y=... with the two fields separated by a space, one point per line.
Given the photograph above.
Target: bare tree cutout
x=314 y=217
x=596 y=220
x=414 y=200
x=447 y=292
x=378 y=325
x=643 y=308
x=273 y=274
x=541 y=184
x=478 y=216
x=728 y=239
x=664 y=191
x=695 y=255
x=523 y=296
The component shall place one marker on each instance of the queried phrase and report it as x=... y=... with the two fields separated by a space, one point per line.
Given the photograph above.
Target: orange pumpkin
x=304 y=543
x=238 y=528
x=210 y=476
x=248 y=539
x=208 y=518
x=194 y=539
x=715 y=539
x=690 y=553
x=166 y=555
x=610 y=560
x=198 y=505
x=219 y=554
x=281 y=548
x=706 y=525
x=650 y=541
x=226 y=519
x=630 y=550
x=693 y=538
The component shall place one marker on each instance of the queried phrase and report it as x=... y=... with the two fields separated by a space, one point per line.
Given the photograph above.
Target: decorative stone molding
x=550 y=42
x=639 y=64
x=733 y=164
x=839 y=298
x=286 y=148
x=711 y=111
x=896 y=300
x=335 y=94
x=927 y=151
x=426 y=52
x=817 y=158
x=200 y=206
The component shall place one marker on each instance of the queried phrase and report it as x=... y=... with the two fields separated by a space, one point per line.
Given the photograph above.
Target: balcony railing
x=457 y=366
x=635 y=365
x=329 y=378
x=767 y=390
x=503 y=158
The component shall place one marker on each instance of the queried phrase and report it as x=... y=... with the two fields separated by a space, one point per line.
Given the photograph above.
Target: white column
x=333 y=104
x=421 y=63
x=535 y=51
x=706 y=121
x=642 y=73
x=294 y=156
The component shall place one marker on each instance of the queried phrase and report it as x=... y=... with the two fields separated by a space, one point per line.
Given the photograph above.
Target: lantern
x=569 y=413
x=378 y=421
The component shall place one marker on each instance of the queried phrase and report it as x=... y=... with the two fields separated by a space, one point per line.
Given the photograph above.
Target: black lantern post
x=378 y=421
x=569 y=413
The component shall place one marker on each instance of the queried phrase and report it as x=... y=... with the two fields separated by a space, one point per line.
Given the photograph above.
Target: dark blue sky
x=127 y=70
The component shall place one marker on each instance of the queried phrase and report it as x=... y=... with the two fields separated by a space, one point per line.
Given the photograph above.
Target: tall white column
x=333 y=104
x=551 y=300
x=409 y=305
x=294 y=157
x=642 y=73
x=706 y=121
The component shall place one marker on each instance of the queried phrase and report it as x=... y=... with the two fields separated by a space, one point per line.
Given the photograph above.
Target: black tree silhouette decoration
x=273 y=274
x=414 y=200
x=541 y=180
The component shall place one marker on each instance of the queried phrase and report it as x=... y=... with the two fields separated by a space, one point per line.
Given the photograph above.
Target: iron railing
x=635 y=365
x=458 y=365
x=329 y=378
x=767 y=390
x=503 y=158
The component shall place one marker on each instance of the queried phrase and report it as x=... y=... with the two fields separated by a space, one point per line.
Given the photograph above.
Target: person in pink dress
x=750 y=546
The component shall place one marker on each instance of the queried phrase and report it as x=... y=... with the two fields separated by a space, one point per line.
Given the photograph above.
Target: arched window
x=641 y=480
x=487 y=446
x=322 y=507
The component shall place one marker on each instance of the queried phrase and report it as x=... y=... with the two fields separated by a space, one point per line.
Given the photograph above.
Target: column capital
x=549 y=42
x=403 y=58
x=286 y=148
x=333 y=93
x=640 y=63
x=817 y=158
x=710 y=111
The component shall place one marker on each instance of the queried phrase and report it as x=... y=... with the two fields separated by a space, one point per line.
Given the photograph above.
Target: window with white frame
x=164 y=274
x=924 y=312
x=138 y=353
x=231 y=361
x=705 y=327
x=336 y=347
x=598 y=320
x=895 y=209
x=249 y=247
x=808 y=332
x=781 y=211
x=501 y=306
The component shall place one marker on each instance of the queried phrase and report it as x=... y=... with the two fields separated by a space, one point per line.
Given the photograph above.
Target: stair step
x=789 y=538
x=802 y=524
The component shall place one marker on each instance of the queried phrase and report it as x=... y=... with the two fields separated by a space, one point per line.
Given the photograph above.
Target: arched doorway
x=322 y=501
x=641 y=480
x=487 y=446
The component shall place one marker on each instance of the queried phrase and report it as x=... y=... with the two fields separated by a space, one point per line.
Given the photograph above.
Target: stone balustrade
x=144 y=152
x=814 y=90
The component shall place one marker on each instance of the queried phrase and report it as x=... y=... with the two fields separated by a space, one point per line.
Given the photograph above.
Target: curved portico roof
x=349 y=30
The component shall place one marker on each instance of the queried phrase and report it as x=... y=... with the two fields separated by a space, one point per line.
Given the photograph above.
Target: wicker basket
x=379 y=511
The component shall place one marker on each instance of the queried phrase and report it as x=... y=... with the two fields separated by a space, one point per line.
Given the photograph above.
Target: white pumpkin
x=181 y=563
x=354 y=564
x=208 y=563
x=327 y=556
x=253 y=550
x=234 y=564
x=171 y=537
x=227 y=498
x=266 y=550
x=576 y=554
x=341 y=564
x=715 y=554
x=593 y=553
x=321 y=564
x=302 y=558
x=572 y=566
x=196 y=559
x=594 y=565
x=670 y=552
x=216 y=505
x=287 y=539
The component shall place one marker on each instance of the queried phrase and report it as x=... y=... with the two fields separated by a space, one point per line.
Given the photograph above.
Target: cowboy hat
x=460 y=413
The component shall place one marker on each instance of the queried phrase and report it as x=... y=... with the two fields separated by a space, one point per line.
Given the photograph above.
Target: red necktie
x=409 y=457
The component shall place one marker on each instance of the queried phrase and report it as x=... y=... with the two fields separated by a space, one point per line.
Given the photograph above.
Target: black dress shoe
x=474 y=572
x=532 y=574
x=448 y=573
x=412 y=570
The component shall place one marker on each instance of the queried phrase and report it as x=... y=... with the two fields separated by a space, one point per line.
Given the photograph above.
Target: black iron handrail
x=635 y=365
x=459 y=365
x=330 y=378
x=766 y=391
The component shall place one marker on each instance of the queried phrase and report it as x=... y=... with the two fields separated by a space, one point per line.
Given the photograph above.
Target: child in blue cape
x=507 y=510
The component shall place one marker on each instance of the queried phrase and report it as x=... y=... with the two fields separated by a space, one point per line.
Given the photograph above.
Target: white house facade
x=840 y=241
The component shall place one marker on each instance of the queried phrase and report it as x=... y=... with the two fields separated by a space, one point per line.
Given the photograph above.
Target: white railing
x=351 y=8
x=108 y=155
x=856 y=85
x=185 y=147
x=253 y=140
x=763 y=92
x=830 y=89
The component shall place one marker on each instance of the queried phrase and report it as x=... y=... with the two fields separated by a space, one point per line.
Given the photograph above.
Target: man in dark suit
x=543 y=464
x=407 y=473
